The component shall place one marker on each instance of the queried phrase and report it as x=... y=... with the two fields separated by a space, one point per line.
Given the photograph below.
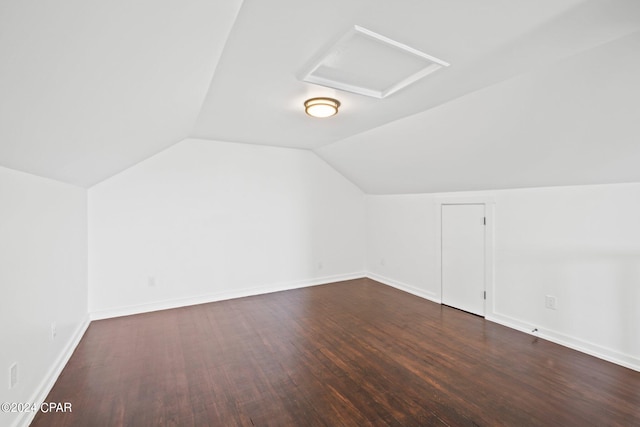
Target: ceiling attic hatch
x=368 y=63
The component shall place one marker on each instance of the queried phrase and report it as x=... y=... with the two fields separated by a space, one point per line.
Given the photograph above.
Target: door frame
x=489 y=209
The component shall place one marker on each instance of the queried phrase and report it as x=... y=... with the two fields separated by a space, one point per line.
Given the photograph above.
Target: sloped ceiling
x=538 y=92
x=89 y=88
x=574 y=123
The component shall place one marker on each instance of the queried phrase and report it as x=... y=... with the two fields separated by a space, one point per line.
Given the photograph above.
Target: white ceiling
x=559 y=125
x=90 y=88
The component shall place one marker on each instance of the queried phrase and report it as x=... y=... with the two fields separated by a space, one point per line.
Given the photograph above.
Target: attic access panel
x=368 y=63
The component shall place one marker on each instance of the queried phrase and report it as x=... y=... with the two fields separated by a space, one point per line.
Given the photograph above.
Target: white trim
x=47 y=383
x=431 y=296
x=336 y=84
x=595 y=350
x=400 y=46
x=410 y=80
x=218 y=296
x=42 y=391
x=432 y=64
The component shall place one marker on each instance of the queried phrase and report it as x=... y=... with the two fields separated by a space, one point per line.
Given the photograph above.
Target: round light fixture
x=321 y=107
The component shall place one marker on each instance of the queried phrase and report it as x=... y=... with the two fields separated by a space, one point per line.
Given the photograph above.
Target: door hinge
x=485 y=294
x=484 y=220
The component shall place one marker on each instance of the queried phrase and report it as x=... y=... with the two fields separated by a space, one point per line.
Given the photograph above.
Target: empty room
x=337 y=213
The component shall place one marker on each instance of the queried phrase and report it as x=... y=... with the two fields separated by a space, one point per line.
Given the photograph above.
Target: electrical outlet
x=13 y=375
x=550 y=302
x=54 y=331
x=151 y=281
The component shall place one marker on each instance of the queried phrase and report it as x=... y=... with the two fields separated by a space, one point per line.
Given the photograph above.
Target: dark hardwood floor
x=354 y=353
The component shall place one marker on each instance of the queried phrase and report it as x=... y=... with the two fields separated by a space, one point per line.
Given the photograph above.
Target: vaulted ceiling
x=538 y=92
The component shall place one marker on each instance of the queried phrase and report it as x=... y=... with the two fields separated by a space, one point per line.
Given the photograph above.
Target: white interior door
x=463 y=257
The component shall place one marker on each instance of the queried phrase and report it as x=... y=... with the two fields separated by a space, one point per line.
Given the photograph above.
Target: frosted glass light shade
x=321 y=107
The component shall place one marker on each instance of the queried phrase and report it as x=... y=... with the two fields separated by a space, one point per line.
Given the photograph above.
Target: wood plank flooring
x=355 y=353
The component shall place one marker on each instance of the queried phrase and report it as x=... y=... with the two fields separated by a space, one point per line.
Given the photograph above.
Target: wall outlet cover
x=550 y=302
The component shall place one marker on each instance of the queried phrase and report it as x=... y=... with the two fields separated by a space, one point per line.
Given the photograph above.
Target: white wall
x=207 y=220
x=400 y=242
x=43 y=279
x=579 y=244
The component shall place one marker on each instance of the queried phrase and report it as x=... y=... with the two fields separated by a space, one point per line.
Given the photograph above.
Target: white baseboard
x=574 y=343
x=42 y=391
x=219 y=296
x=431 y=296
x=49 y=380
x=586 y=347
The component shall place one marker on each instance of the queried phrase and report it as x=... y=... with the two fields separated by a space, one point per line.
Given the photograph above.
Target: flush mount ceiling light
x=321 y=107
